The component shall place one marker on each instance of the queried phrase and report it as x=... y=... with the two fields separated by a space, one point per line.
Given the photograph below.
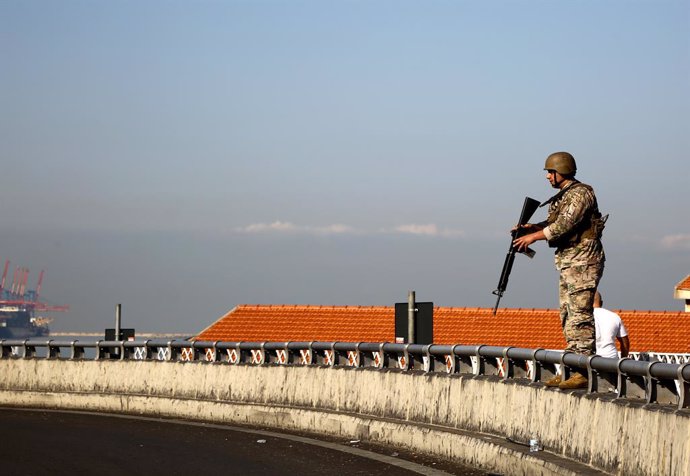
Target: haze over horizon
x=183 y=158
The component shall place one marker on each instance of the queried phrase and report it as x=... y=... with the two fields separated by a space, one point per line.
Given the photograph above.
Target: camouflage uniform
x=574 y=227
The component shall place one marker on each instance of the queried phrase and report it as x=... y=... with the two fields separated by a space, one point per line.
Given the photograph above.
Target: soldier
x=574 y=226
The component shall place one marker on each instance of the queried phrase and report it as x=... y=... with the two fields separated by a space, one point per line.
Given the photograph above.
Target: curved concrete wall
x=455 y=417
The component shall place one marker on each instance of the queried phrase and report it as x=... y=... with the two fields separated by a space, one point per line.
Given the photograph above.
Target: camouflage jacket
x=574 y=227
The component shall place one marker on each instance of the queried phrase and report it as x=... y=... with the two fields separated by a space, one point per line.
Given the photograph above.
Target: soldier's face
x=554 y=178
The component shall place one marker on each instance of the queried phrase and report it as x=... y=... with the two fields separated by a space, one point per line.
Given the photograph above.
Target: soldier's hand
x=528 y=227
x=523 y=242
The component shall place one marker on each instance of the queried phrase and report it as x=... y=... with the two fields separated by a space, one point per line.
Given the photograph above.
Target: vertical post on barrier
x=118 y=320
x=410 y=317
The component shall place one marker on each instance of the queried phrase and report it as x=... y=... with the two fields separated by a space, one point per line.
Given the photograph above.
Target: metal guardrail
x=652 y=382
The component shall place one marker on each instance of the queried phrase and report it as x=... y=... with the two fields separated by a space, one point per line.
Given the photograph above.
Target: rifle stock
x=528 y=208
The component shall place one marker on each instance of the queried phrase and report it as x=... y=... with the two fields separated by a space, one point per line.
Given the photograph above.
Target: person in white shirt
x=609 y=327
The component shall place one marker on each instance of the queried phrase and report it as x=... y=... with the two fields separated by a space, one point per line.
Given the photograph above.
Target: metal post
x=410 y=317
x=118 y=320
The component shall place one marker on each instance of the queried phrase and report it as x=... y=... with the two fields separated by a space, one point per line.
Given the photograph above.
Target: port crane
x=18 y=304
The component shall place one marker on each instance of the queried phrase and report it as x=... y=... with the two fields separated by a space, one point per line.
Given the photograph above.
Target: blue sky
x=181 y=158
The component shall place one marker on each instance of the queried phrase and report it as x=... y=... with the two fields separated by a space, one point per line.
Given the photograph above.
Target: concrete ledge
x=451 y=417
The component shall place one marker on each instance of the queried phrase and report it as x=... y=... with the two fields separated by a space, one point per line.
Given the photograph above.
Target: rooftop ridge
x=684 y=285
x=468 y=308
x=309 y=306
x=449 y=308
x=639 y=311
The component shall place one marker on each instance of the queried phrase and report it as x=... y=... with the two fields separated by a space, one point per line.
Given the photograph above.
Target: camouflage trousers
x=576 y=297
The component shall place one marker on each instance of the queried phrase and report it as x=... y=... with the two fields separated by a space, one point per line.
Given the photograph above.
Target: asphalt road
x=53 y=443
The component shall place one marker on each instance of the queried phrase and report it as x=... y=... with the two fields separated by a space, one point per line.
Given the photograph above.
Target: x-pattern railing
x=661 y=379
x=661 y=357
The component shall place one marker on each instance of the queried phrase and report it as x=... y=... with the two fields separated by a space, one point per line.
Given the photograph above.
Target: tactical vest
x=590 y=227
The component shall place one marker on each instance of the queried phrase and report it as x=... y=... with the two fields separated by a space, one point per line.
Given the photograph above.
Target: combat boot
x=554 y=381
x=577 y=380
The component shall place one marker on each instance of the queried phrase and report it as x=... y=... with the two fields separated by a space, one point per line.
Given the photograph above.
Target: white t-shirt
x=609 y=326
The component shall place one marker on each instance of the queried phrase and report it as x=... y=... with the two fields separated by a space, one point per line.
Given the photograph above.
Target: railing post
x=100 y=353
x=428 y=359
x=332 y=358
x=684 y=393
x=542 y=371
x=52 y=352
x=513 y=369
x=599 y=380
x=630 y=385
x=401 y=360
x=486 y=365
x=172 y=353
x=5 y=350
x=29 y=350
x=463 y=361
x=565 y=368
x=76 y=351
x=658 y=390
x=417 y=361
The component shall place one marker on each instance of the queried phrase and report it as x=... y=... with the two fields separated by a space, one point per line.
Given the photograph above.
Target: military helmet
x=561 y=162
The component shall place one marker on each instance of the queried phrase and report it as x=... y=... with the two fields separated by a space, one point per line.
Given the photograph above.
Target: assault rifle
x=528 y=209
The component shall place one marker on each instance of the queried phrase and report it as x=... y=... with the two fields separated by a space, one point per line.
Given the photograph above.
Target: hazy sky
x=182 y=158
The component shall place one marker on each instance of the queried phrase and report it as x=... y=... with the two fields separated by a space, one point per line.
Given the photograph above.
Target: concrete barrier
x=460 y=418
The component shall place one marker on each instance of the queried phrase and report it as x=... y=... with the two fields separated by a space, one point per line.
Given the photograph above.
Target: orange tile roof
x=684 y=285
x=658 y=331
x=303 y=323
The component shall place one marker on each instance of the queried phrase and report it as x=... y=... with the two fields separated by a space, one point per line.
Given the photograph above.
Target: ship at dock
x=22 y=313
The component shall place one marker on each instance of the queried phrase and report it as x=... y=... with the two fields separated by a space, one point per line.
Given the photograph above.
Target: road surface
x=37 y=442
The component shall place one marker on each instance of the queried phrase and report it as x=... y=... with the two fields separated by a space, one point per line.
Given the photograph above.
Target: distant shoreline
x=149 y=335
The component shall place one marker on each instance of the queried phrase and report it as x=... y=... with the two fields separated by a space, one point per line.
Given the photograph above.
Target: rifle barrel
x=498 y=299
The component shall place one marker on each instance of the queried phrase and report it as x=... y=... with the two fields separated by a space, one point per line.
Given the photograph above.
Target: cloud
x=413 y=229
x=287 y=227
x=277 y=226
x=676 y=242
x=281 y=227
x=427 y=230
x=337 y=228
